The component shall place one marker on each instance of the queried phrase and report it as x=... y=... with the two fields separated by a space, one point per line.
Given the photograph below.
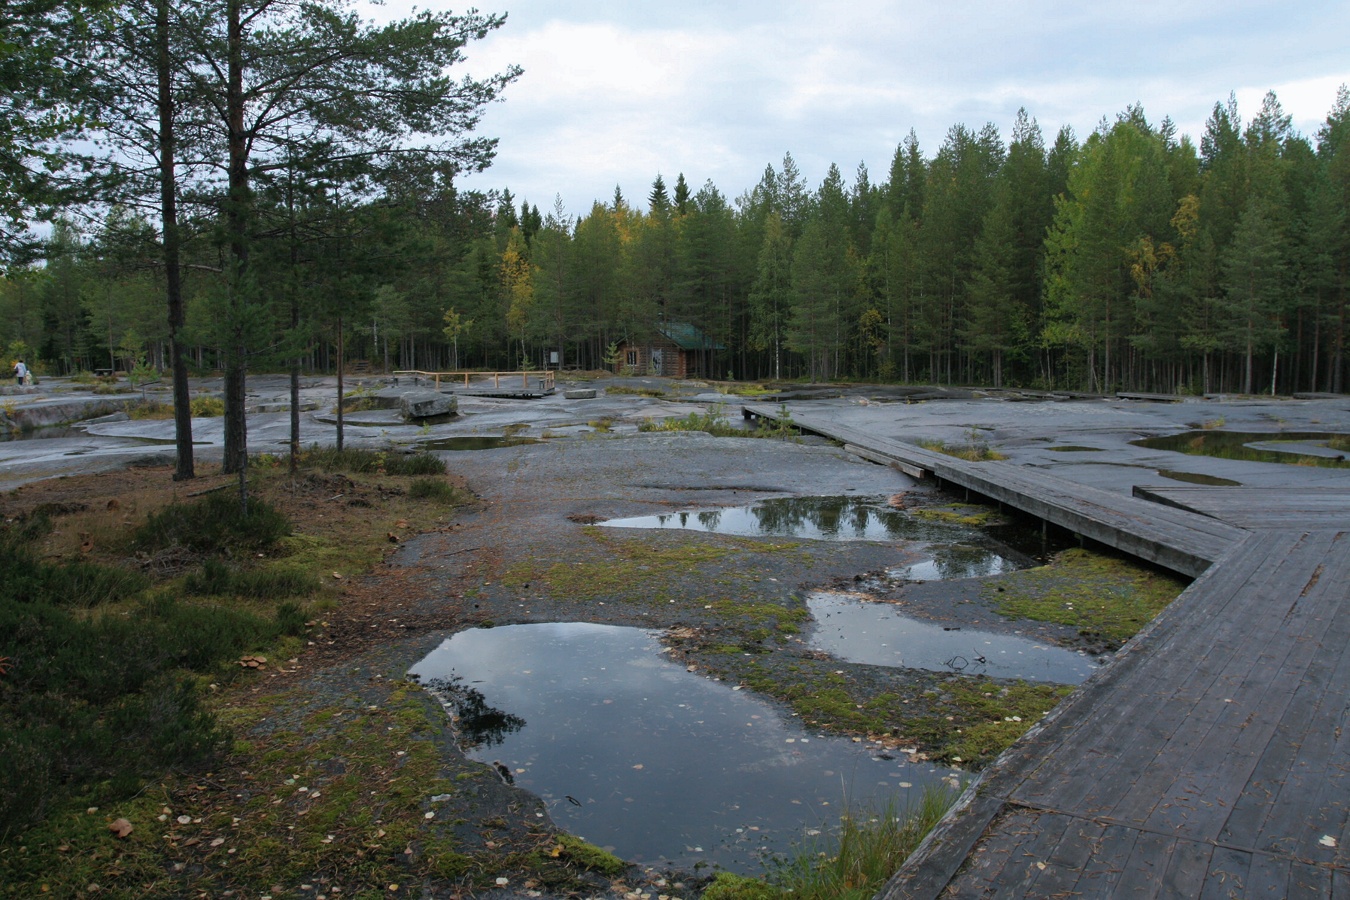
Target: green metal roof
x=687 y=337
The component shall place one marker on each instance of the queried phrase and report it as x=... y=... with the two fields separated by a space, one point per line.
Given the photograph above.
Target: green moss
x=729 y=886
x=588 y=856
x=968 y=514
x=1107 y=598
x=975 y=451
x=633 y=569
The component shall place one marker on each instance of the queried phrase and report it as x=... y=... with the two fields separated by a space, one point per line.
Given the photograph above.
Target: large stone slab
x=425 y=404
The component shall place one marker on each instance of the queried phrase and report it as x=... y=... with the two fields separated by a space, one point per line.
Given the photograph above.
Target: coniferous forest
x=249 y=185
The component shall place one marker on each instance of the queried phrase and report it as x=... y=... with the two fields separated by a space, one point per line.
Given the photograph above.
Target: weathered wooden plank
x=1148 y=863
x=1209 y=760
x=1318 y=507
x=942 y=853
x=1107 y=865
x=1095 y=764
x=1030 y=837
x=1187 y=869
x=1282 y=806
x=1268 y=877
x=1065 y=863
x=1308 y=882
x=1226 y=878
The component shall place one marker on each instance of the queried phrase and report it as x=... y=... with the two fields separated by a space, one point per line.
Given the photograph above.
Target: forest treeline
x=1132 y=260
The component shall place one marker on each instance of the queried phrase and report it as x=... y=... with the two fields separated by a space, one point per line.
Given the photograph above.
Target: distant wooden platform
x=521 y=385
x=1211 y=758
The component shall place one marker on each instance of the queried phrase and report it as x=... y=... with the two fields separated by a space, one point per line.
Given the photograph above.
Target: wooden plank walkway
x=1211 y=758
x=1260 y=507
x=1177 y=539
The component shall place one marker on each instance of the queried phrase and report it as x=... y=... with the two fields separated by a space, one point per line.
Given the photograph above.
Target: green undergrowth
x=858 y=857
x=1108 y=598
x=217 y=523
x=870 y=844
x=361 y=461
x=204 y=407
x=973 y=451
x=99 y=694
x=632 y=568
x=106 y=647
x=635 y=391
x=290 y=811
x=715 y=422
x=967 y=514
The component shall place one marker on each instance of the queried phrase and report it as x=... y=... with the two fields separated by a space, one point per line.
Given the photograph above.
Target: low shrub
x=207 y=407
x=151 y=409
x=369 y=461
x=216 y=523
x=434 y=489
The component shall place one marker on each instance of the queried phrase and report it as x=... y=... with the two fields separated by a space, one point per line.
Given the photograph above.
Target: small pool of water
x=660 y=765
x=812 y=518
x=474 y=443
x=1254 y=446
x=878 y=634
x=950 y=549
x=1198 y=478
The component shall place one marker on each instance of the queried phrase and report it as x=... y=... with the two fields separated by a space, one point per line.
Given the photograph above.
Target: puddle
x=1257 y=446
x=659 y=765
x=474 y=443
x=878 y=634
x=952 y=549
x=812 y=518
x=947 y=562
x=1074 y=449
x=45 y=433
x=1197 y=478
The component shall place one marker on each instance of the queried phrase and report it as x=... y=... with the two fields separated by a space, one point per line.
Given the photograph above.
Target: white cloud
x=615 y=92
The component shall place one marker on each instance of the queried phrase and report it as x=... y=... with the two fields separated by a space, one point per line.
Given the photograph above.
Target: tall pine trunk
x=184 y=468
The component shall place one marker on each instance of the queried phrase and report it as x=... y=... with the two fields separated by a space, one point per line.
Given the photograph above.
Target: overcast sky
x=616 y=91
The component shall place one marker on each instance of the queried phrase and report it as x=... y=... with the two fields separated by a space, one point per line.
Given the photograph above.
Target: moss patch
x=1106 y=597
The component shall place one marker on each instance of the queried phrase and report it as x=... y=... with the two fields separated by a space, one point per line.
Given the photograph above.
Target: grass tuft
x=871 y=845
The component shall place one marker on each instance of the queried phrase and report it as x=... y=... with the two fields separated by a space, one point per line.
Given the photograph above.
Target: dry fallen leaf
x=121 y=828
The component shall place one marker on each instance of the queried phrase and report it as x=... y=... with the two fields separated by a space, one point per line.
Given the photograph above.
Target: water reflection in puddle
x=951 y=561
x=813 y=518
x=474 y=442
x=660 y=765
x=878 y=634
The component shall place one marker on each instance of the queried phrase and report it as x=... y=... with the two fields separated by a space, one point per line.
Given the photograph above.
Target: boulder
x=580 y=394
x=425 y=404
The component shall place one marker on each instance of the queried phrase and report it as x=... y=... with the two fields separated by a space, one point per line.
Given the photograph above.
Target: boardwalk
x=1209 y=759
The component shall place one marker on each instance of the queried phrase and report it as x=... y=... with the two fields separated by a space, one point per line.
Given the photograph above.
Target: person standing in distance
x=21 y=373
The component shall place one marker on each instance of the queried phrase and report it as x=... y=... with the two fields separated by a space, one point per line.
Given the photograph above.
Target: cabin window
x=632 y=358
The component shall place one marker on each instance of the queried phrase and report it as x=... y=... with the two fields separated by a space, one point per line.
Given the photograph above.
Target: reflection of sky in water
x=860 y=631
x=815 y=518
x=664 y=765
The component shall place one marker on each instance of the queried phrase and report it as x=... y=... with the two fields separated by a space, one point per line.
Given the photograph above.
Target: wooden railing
x=539 y=380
